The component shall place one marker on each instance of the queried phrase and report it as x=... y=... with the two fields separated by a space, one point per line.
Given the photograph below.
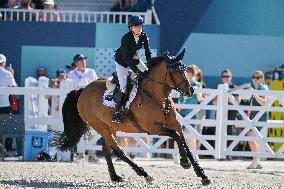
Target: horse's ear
x=180 y=56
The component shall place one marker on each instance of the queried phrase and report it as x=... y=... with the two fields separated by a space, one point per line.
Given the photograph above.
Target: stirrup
x=117 y=116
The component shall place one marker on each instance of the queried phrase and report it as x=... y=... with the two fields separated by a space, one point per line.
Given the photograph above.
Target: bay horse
x=152 y=111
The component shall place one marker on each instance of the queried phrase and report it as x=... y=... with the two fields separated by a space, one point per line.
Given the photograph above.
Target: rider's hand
x=130 y=71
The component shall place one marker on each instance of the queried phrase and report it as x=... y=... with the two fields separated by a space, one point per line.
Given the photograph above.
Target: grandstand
x=85 y=5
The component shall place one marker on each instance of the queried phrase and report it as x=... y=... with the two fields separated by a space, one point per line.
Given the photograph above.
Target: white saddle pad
x=108 y=97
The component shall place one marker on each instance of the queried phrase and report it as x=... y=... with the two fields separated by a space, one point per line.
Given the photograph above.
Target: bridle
x=166 y=88
x=176 y=86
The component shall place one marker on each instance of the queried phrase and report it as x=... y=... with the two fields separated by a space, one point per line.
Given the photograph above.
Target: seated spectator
x=25 y=4
x=36 y=4
x=51 y=15
x=6 y=80
x=4 y=4
x=25 y=16
x=142 y=6
x=121 y=5
x=116 y=7
x=257 y=84
x=195 y=99
x=14 y=3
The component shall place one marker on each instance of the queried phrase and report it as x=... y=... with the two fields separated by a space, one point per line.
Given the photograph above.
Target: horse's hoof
x=185 y=165
x=149 y=179
x=205 y=181
x=117 y=178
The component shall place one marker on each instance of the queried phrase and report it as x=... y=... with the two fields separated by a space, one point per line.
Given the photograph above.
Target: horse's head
x=176 y=78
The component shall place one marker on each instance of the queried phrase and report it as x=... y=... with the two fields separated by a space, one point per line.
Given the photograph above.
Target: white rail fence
x=72 y=16
x=150 y=144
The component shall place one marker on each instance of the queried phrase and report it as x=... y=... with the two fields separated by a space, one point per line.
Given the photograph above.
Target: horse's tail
x=74 y=126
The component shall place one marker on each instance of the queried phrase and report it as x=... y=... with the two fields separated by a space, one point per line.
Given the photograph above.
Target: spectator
x=82 y=76
x=117 y=6
x=4 y=4
x=6 y=80
x=128 y=142
x=25 y=4
x=227 y=77
x=71 y=67
x=200 y=78
x=121 y=5
x=14 y=3
x=142 y=6
x=256 y=100
x=51 y=15
x=195 y=99
x=202 y=113
x=55 y=83
x=25 y=16
x=36 y=4
x=41 y=72
x=2 y=149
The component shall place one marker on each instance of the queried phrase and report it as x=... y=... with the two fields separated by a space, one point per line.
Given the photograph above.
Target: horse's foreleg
x=119 y=152
x=197 y=169
x=107 y=152
x=163 y=131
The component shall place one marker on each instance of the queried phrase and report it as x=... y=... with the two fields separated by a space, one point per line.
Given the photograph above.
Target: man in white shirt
x=82 y=76
x=6 y=80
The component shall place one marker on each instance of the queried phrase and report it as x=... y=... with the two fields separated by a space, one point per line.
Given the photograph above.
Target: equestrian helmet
x=135 y=21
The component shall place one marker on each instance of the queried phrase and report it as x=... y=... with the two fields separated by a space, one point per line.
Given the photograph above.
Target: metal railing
x=71 y=16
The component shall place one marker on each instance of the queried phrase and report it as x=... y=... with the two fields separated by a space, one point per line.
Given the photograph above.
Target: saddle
x=112 y=82
x=112 y=85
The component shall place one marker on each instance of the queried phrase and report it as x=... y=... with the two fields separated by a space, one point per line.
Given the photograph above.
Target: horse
x=152 y=111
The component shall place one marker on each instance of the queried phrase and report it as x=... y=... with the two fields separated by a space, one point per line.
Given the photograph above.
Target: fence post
x=220 y=121
x=30 y=103
x=43 y=82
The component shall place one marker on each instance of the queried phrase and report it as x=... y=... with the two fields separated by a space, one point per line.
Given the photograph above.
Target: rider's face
x=137 y=30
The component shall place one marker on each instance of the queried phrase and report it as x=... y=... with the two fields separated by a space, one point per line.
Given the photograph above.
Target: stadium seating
x=85 y=5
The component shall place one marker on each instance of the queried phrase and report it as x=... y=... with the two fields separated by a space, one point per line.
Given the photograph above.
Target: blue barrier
x=35 y=142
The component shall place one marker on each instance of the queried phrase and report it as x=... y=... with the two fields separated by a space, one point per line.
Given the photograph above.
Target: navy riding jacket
x=124 y=55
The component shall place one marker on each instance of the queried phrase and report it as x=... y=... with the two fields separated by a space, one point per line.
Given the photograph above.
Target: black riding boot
x=120 y=103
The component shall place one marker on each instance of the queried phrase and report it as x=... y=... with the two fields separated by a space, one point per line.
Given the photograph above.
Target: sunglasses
x=226 y=76
x=256 y=77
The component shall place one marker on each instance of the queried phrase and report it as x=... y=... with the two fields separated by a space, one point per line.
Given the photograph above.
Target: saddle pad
x=109 y=85
x=108 y=97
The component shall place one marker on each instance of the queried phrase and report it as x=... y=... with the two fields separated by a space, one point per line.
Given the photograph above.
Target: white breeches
x=122 y=74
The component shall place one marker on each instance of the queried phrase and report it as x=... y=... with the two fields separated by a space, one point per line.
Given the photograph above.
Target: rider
x=127 y=60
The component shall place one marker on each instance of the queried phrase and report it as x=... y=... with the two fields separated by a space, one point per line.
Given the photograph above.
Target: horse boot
x=120 y=103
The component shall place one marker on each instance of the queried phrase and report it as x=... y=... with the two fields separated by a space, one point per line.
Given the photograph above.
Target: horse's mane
x=154 y=61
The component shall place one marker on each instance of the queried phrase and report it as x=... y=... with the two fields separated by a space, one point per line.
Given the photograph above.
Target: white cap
x=2 y=58
x=48 y=2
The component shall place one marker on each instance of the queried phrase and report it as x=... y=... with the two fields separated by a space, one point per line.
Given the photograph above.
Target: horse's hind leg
x=119 y=152
x=107 y=152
